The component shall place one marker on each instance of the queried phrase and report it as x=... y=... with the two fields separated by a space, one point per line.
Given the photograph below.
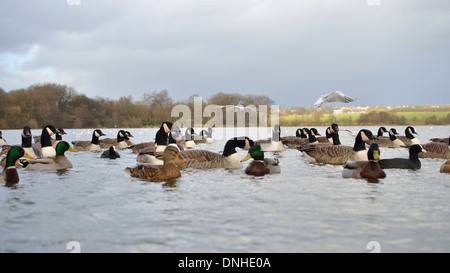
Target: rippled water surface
x=306 y=208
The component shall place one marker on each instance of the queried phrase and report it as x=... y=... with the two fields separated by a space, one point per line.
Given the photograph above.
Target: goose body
x=189 y=141
x=10 y=175
x=47 y=149
x=445 y=168
x=59 y=162
x=389 y=142
x=111 y=153
x=261 y=165
x=412 y=163
x=122 y=141
x=154 y=154
x=93 y=145
x=203 y=159
x=163 y=172
x=365 y=169
x=338 y=154
x=2 y=141
x=273 y=144
x=436 y=150
x=294 y=141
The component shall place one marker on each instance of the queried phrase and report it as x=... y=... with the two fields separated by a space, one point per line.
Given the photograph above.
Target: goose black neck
x=94 y=139
x=26 y=141
x=413 y=154
x=392 y=137
x=336 y=140
x=312 y=138
x=45 y=138
x=359 y=144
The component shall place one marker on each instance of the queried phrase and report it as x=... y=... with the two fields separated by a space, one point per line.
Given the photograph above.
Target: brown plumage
x=436 y=150
x=157 y=172
x=445 y=168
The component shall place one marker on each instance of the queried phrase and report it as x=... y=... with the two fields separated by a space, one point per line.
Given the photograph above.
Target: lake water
x=306 y=208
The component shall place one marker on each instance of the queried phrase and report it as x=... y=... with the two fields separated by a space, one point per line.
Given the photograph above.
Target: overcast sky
x=390 y=52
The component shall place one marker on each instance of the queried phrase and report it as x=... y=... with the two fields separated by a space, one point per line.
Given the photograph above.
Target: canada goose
x=123 y=137
x=58 y=136
x=159 y=172
x=93 y=145
x=335 y=96
x=409 y=138
x=10 y=175
x=2 y=141
x=206 y=136
x=27 y=145
x=436 y=150
x=339 y=154
x=389 y=142
x=46 y=141
x=59 y=162
x=154 y=154
x=261 y=165
x=295 y=141
x=273 y=144
x=365 y=169
x=329 y=132
x=445 y=168
x=412 y=163
x=189 y=138
x=111 y=153
x=229 y=159
x=443 y=140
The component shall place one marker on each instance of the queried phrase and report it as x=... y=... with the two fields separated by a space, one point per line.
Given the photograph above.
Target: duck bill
x=376 y=155
x=179 y=157
x=72 y=149
x=28 y=156
x=247 y=157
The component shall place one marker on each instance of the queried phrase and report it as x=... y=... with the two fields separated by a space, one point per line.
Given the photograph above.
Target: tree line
x=64 y=107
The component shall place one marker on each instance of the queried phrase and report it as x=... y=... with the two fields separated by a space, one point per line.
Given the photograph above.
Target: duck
x=93 y=145
x=163 y=172
x=409 y=138
x=47 y=149
x=412 y=163
x=229 y=159
x=260 y=165
x=111 y=153
x=436 y=150
x=273 y=144
x=365 y=169
x=445 y=168
x=122 y=141
x=2 y=140
x=10 y=176
x=59 y=162
x=301 y=134
x=339 y=154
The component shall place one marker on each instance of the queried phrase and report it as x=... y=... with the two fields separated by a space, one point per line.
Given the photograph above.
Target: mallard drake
x=93 y=145
x=47 y=149
x=2 y=141
x=273 y=144
x=412 y=163
x=409 y=138
x=261 y=165
x=159 y=172
x=436 y=150
x=111 y=153
x=59 y=162
x=10 y=175
x=365 y=169
x=203 y=159
x=339 y=154
x=445 y=168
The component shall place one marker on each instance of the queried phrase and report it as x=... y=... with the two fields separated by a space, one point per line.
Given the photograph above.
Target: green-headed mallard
x=339 y=154
x=159 y=172
x=365 y=169
x=229 y=159
x=10 y=175
x=93 y=145
x=59 y=162
x=261 y=165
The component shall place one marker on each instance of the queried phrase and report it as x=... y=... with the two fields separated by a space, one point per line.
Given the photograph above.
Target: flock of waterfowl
x=171 y=152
